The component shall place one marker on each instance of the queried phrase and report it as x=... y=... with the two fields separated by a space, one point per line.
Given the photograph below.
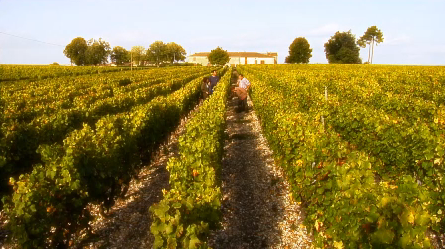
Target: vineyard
x=80 y=140
x=362 y=148
x=19 y=72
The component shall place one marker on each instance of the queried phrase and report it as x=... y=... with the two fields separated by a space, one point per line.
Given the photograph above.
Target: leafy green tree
x=97 y=52
x=157 y=52
x=218 y=56
x=76 y=51
x=174 y=52
x=120 y=55
x=342 y=48
x=299 y=51
x=372 y=36
x=138 y=54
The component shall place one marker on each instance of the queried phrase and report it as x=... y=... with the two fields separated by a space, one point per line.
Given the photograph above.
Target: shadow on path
x=128 y=223
x=250 y=208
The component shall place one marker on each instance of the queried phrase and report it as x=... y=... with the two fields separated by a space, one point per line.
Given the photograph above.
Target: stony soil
x=257 y=209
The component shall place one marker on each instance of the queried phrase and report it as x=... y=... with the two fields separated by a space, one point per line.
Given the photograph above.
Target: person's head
x=240 y=76
x=205 y=80
x=214 y=72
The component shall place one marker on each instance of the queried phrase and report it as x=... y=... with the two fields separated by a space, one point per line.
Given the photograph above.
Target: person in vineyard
x=205 y=86
x=241 y=91
x=213 y=81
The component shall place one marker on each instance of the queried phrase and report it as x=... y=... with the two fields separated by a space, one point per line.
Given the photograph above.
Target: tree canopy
x=157 y=52
x=98 y=52
x=218 y=56
x=138 y=54
x=160 y=52
x=93 y=52
x=120 y=55
x=342 y=48
x=372 y=36
x=175 y=52
x=76 y=51
x=299 y=51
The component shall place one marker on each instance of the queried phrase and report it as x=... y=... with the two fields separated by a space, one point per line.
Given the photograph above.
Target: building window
x=262 y=62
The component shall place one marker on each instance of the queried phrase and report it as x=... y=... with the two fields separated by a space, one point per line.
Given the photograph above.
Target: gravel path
x=128 y=223
x=257 y=209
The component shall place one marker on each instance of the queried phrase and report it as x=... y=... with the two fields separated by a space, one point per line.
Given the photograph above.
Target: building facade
x=237 y=58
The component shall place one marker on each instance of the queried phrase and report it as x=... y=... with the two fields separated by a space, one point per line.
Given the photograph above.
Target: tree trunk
x=369 y=54
x=372 y=56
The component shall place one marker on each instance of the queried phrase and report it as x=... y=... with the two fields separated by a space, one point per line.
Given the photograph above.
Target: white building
x=237 y=58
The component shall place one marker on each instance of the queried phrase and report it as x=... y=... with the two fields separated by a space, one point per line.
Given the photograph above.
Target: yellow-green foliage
x=367 y=159
x=91 y=166
x=192 y=206
x=45 y=111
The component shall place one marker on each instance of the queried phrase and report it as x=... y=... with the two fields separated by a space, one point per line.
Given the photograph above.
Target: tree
x=157 y=52
x=138 y=54
x=97 y=52
x=218 y=56
x=371 y=36
x=120 y=55
x=76 y=51
x=342 y=49
x=299 y=51
x=174 y=52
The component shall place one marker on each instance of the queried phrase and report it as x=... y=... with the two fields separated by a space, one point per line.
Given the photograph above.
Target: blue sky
x=413 y=30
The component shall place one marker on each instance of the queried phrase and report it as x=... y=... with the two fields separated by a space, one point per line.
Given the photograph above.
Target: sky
x=413 y=30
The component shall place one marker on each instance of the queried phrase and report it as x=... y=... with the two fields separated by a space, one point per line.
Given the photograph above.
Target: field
x=81 y=139
x=362 y=148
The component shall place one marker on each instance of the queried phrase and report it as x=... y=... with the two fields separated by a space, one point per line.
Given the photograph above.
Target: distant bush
x=124 y=82
x=55 y=64
x=180 y=64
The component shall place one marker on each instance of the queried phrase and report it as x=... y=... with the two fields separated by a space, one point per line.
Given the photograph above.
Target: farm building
x=237 y=58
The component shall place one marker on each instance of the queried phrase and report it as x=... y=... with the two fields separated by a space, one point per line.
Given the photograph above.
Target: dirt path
x=129 y=220
x=257 y=210
x=128 y=225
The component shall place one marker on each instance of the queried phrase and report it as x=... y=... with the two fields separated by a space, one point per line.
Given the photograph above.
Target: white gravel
x=129 y=221
x=257 y=209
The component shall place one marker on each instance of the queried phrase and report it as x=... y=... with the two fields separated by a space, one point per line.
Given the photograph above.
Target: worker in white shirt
x=242 y=91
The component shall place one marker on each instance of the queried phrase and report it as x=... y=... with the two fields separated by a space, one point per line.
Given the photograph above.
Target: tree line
x=341 y=48
x=97 y=52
